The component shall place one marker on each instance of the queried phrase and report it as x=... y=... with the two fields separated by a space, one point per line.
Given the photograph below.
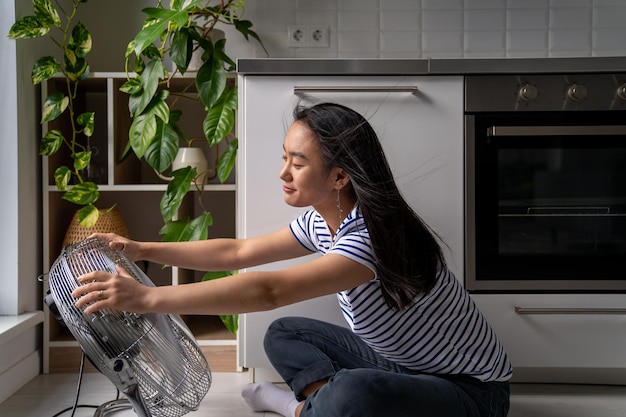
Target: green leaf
x=88 y=215
x=227 y=161
x=87 y=120
x=219 y=120
x=221 y=55
x=53 y=106
x=152 y=52
x=175 y=115
x=163 y=148
x=81 y=160
x=181 y=49
x=131 y=86
x=45 y=12
x=176 y=190
x=44 y=69
x=76 y=68
x=211 y=275
x=186 y=230
x=211 y=81
x=62 y=176
x=141 y=133
x=149 y=80
x=150 y=33
x=80 y=41
x=51 y=142
x=243 y=26
x=231 y=322
x=144 y=128
x=82 y=194
x=28 y=27
x=158 y=106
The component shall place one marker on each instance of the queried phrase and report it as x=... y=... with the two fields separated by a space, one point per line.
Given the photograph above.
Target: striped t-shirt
x=441 y=332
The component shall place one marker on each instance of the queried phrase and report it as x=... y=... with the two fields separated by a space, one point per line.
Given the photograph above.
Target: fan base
x=112 y=406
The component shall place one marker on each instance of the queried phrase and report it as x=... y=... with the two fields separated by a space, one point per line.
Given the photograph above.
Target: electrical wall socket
x=308 y=36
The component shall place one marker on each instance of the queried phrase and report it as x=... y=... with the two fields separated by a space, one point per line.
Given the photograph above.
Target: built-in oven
x=545 y=175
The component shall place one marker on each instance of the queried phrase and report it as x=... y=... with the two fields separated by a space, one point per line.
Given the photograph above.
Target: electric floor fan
x=152 y=358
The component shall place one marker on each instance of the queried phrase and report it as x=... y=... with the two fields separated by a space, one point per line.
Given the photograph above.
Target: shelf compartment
x=91 y=96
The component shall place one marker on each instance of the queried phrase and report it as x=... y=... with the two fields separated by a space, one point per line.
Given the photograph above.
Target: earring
x=339 y=207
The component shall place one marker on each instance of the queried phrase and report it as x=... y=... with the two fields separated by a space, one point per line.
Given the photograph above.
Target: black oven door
x=546 y=201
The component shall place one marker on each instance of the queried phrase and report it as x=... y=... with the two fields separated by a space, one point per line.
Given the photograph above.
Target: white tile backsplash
x=401 y=42
x=441 y=4
x=570 y=40
x=491 y=42
x=442 y=44
x=445 y=28
x=485 y=19
x=358 y=21
x=400 y=20
x=609 y=16
x=522 y=19
x=438 y=20
x=571 y=18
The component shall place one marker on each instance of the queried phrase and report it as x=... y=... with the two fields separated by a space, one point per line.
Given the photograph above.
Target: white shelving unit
x=133 y=187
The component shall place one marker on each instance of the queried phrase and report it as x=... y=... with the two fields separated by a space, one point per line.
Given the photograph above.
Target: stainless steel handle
x=543 y=310
x=555 y=130
x=355 y=89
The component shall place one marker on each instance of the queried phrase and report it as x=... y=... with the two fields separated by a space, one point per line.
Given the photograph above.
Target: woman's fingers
x=99 y=290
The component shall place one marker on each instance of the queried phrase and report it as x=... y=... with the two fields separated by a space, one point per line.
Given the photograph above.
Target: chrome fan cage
x=152 y=358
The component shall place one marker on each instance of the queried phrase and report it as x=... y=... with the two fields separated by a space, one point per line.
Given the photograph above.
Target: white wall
x=20 y=254
x=8 y=166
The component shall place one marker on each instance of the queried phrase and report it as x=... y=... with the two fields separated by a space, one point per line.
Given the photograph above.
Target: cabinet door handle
x=355 y=89
x=495 y=131
x=543 y=310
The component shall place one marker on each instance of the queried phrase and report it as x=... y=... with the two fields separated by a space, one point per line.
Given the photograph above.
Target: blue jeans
x=362 y=383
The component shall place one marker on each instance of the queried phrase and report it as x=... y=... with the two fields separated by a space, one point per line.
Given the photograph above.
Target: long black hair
x=406 y=250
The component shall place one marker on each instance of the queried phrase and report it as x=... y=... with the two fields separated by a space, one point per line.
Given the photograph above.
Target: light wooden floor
x=47 y=395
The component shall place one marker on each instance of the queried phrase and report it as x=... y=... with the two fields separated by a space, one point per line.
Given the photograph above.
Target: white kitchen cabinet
x=421 y=132
x=561 y=338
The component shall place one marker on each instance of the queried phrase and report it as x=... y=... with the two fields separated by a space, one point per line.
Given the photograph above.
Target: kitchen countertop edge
x=427 y=66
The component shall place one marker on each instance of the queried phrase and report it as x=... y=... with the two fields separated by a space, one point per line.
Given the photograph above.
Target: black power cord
x=78 y=387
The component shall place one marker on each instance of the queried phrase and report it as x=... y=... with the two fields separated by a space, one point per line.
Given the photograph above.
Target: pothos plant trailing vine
x=171 y=32
x=73 y=40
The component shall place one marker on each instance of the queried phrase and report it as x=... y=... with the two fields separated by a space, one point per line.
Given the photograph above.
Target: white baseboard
x=264 y=374
x=19 y=375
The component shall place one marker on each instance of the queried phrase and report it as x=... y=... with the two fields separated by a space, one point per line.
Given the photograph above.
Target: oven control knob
x=621 y=92
x=577 y=92
x=527 y=92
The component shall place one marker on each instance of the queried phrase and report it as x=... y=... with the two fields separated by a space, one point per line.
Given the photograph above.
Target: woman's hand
x=128 y=247
x=122 y=292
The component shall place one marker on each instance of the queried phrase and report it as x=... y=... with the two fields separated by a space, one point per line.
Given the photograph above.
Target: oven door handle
x=546 y=310
x=495 y=131
x=355 y=89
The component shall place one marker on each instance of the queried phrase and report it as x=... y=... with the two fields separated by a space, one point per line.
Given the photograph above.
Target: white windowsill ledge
x=12 y=326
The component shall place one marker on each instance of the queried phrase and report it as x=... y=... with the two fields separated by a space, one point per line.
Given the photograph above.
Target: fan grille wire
x=156 y=352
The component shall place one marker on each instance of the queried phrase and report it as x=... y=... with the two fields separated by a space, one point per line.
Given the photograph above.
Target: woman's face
x=306 y=182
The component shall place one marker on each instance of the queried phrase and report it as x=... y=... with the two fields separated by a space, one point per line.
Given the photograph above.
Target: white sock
x=265 y=396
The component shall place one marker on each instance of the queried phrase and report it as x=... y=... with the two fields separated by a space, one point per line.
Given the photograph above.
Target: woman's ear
x=341 y=179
